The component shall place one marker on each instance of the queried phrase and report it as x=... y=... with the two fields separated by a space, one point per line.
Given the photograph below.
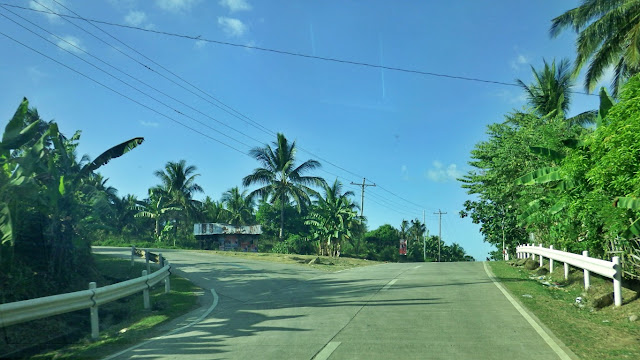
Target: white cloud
x=404 y=172
x=71 y=43
x=176 y=5
x=232 y=27
x=149 y=123
x=199 y=44
x=135 y=18
x=235 y=5
x=49 y=6
x=440 y=173
x=520 y=60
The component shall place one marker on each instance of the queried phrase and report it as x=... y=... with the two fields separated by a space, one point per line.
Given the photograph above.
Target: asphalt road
x=261 y=310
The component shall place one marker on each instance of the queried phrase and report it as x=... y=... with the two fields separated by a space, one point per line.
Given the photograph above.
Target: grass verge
x=125 y=322
x=325 y=263
x=590 y=334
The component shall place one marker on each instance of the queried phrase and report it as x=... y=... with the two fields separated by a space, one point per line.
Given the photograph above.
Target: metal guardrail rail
x=610 y=269
x=27 y=310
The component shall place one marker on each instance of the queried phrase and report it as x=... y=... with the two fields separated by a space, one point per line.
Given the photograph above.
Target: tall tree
x=550 y=93
x=43 y=188
x=178 y=183
x=157 y=206
x=282 y=180
x=333 y=218
x=239 y=206
x=608 y=36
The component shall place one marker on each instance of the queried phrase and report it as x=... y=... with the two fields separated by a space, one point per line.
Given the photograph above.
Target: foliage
x=239 y=207
x=332 y=218
x=608 y=36
x=46 y=198
x=280 y=178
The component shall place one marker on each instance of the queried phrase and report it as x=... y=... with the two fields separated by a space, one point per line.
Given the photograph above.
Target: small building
x=227 y=237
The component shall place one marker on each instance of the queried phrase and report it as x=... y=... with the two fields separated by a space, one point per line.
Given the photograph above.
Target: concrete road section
x=389 y=311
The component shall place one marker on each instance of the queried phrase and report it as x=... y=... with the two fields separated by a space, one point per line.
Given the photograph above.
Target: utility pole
x=424 y=237
x=364 y=184
x=439 y=213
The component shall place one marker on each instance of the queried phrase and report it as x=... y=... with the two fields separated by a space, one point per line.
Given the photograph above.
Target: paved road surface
x=388 y=311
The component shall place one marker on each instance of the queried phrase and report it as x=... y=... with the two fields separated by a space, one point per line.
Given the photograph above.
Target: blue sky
x=410 y=134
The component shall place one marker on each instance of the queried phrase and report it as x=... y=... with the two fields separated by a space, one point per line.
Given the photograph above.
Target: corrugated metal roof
x=219 y=229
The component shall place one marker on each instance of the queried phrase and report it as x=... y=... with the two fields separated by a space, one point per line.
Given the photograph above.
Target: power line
x=414 y=207
x=77 y=16
x=231 y=111
x=235 y=113
x=400 y=197
x=131 y=86
x=284 y=52
x=403 y=213
x=123 y=95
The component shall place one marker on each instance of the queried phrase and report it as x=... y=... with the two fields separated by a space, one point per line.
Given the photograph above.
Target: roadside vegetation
x=574 y=315
x=545 y=177
x=123 y=323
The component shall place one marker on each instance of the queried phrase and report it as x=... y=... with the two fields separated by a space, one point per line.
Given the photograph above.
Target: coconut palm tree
x=608 y=36
x=214 y=211
x=238 y=205
x=550 y=92
x=280 y=178
x=178 y=182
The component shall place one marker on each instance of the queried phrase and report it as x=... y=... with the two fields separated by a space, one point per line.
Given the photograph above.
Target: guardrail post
x=550 y=261
x=566 y=271
x=167 y=280
x=146 y=258
x=617 y=283
x=133 y=254
x=93 y=311
x=160 y=260
x=541 y=258
x=145 y=293
x=587 y=281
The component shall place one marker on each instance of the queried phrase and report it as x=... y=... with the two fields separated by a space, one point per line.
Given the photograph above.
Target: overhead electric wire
x=124 y=82
x=400 y=212
x=121 y=94
x=284 y=52
x=235 y=113
x=248 y=121
x=374 y=193
x=281 y=52
x=400 y=197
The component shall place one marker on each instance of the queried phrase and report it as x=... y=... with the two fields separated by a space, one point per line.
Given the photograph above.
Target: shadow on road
x=267 y=304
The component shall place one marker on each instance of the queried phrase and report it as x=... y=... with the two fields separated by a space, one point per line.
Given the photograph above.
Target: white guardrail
x=610 y=269
x=26 y=310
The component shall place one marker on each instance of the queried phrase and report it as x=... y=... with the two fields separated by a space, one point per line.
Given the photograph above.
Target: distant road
x=389 y=311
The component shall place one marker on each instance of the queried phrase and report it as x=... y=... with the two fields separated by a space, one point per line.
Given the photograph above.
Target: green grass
x=326 y=263
x=128 y=322
x=589 y=333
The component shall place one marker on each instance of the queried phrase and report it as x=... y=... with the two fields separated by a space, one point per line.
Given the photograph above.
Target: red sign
x=403 y=247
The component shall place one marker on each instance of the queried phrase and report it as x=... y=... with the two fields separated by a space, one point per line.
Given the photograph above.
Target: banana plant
x=631 y=203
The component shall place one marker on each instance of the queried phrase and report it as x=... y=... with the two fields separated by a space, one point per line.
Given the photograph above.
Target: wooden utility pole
x=439 y=213
x=424 y=237
x=364 y=184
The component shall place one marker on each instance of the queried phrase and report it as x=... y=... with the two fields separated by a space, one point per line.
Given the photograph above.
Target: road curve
x=388 y=311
